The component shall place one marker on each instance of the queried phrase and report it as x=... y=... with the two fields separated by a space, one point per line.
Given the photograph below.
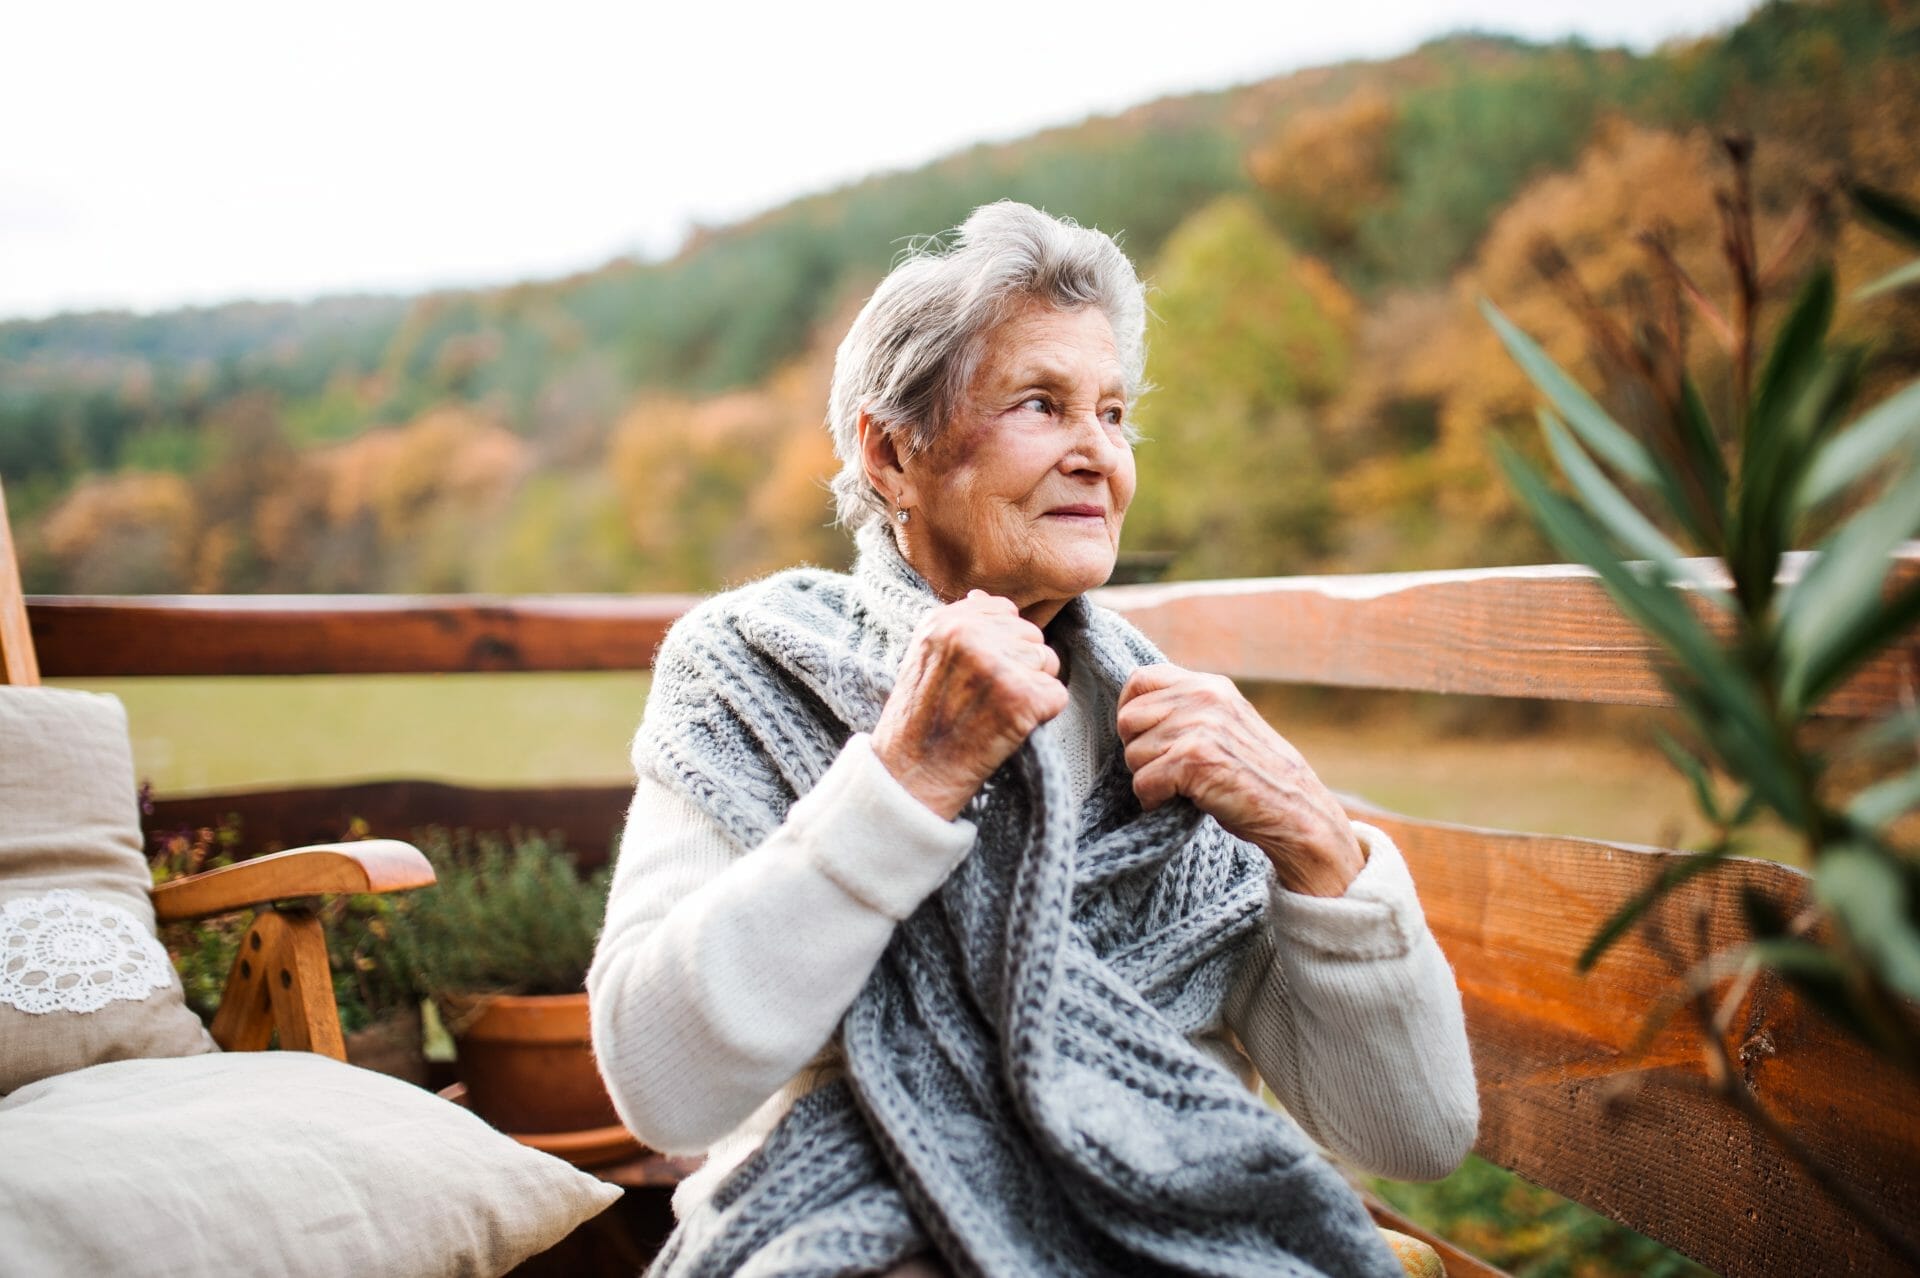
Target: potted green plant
x=501 y=944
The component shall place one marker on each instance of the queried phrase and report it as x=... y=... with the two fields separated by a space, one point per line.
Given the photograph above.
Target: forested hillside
x=1317 y=244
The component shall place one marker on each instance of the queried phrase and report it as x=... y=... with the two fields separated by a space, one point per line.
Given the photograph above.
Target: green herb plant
x=509 y=915
x=1755 y=633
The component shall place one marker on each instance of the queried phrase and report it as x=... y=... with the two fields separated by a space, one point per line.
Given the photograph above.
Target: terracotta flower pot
x=527 y=1062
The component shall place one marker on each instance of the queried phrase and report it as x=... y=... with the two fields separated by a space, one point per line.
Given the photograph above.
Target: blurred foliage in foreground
x=1528 y=1231
x=1318 y=241
x=1790 y=466
x=1787 y=465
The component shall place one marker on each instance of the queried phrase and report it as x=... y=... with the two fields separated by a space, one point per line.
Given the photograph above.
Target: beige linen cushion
x=70 y=821
x=280 y=1163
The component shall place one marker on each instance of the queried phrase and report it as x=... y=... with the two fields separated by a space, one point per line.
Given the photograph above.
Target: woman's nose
x=1093 y=447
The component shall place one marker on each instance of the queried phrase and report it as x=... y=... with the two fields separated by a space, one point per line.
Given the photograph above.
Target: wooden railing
x=1570 y=1099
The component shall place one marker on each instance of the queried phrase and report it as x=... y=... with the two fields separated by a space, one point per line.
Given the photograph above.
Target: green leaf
x=1828 y=621
x=1866 y=447
x=1851 y=646
x=1755 y=753
x=1888 y=213
x=1799 y=381
x=1885 y=801
x=1867 y=890
x=1605 y=436
x=1819 y=976
x=1797 y=349
x=1704 y=456
x=1694 y=771
x=1609 y=440
x=1718 y=697
x=1617 y=514
x=1899 y=221
x=1900 y=729
x=1676 y=873
x=1651 y=601
x=1898 y=278
x=1793 y=955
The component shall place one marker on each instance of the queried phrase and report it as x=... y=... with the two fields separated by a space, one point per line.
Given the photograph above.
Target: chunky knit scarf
x=1021 y=1093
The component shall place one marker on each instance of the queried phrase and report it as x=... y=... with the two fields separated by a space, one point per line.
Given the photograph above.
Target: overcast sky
x=157 y=155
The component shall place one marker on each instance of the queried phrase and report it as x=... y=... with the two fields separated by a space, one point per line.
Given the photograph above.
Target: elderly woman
x=951 y=921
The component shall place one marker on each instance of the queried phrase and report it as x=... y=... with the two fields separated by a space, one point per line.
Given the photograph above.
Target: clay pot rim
x=523 y=1018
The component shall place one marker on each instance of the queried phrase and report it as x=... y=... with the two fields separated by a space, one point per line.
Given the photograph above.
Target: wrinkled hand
x=978 y=678
x=1193 y=734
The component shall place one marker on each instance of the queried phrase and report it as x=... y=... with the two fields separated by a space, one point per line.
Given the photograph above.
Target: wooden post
x=17 y=662
x=281 y=982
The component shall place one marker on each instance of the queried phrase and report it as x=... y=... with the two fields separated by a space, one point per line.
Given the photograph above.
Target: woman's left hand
x=1193 y=734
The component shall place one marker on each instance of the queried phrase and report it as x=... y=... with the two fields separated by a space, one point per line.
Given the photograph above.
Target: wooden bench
x=1569 y=1100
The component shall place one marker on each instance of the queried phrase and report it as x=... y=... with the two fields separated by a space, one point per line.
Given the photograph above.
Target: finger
x=1053 y=699
x=1156 y=783
x=1146 y=712
x=1152 y=678
x=995 y=629
x=991 y=603
x=1033 y=657
x=1033 y=700
x=1026 y=630
x=1148 y=746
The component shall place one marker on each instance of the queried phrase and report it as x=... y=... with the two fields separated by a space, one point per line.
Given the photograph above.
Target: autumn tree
x=1328 y=167
x=1250 y=338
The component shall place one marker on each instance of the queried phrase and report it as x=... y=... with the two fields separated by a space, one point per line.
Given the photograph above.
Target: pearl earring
x=900 y=515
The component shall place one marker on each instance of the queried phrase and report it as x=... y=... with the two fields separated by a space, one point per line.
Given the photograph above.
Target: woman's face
x=1024 y=491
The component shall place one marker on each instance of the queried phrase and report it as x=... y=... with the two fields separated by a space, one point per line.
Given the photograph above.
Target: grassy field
x=199 y=735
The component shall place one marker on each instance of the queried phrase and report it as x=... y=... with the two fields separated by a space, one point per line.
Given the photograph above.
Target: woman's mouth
x=1088 y=513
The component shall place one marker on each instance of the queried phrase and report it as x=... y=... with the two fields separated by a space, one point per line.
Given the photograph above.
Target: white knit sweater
x=722 y=972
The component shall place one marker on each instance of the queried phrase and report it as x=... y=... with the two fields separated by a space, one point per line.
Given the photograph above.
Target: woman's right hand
x=977 y=680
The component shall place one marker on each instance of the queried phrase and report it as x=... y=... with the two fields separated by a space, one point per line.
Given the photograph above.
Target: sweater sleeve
x=1350 y=1013
x=721 y=971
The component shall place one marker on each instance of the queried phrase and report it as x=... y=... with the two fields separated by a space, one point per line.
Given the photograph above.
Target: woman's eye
x=1038 y=403
x=1114 y=415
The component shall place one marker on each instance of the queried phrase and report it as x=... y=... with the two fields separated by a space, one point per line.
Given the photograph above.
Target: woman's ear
x=886 y=469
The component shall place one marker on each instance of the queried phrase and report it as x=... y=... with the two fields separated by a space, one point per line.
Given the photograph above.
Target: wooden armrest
x=374 y=865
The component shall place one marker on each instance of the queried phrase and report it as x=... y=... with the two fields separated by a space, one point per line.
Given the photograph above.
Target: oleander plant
x=1765 y=550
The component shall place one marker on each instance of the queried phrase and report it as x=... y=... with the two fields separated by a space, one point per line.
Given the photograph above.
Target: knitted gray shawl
x=1021 y=1096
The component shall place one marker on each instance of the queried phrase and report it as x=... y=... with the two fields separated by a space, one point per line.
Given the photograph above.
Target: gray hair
x=913 y=349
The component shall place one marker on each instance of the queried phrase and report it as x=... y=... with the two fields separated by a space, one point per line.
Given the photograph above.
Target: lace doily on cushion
x=66 y=952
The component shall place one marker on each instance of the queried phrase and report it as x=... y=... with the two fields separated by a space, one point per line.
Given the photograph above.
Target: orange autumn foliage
x=1329 y=166
x=123 y=533
x=1436 y=358
x=402 y=476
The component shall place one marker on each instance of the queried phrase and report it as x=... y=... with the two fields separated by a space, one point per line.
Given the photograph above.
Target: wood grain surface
x=1547 y=632
x=1569 y=1102
x=370 y=865
x=18 y=665
x=99 y=637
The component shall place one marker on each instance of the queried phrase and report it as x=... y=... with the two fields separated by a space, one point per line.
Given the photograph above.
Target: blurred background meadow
x=644 y=411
